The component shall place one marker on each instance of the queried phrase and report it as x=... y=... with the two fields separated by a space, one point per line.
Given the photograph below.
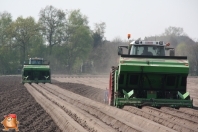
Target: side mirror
x=172 y=52
x=120 y=51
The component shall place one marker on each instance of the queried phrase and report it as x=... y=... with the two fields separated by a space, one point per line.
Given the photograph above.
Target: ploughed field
x=76 y=103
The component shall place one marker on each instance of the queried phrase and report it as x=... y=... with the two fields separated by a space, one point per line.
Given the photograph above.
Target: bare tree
x=174 y=31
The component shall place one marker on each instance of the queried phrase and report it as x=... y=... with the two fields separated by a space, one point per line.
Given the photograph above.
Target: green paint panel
x=153 y=65
x=153 y=69
x=36 y=74
x=151 y=95
x=152 y=81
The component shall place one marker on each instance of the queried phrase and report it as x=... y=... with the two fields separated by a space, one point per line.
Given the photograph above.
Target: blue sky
x=139 y=17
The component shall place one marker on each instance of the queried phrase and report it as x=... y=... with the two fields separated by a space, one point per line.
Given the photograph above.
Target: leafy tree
x=52 y=21
x=37 y=47
x=79 y=42
x=97 y=39
x=22 y=31
x=9 y=60
x=5 y=21
x=98 y=56
x=8 y=55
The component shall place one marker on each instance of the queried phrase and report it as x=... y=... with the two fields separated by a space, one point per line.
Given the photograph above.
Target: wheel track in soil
x=189 y=111
x=178 y=113
x=182 y=119
x=91 y=111
x=123 y=121
x=165 y=114
x=158 y=119
x=57 y=114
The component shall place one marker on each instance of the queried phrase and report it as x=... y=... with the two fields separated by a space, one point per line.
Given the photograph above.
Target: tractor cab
x=150 y=48
x=147 y=48
x=36 y=61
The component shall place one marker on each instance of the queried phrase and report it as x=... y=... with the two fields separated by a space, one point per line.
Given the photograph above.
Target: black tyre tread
x=112 y=73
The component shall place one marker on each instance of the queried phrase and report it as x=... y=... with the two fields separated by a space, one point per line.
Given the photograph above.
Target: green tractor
x=147 y=76
x=36 y=70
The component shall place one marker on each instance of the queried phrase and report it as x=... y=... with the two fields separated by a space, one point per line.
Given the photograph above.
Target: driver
x=146 y=52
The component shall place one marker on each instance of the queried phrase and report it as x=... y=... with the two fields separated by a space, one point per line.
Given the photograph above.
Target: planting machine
x=36 y=70
x=146 y=75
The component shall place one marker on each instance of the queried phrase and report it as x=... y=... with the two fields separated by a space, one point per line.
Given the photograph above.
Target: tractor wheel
x=111 y=86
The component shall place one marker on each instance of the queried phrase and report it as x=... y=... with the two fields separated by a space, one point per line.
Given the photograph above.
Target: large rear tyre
x=111 y=86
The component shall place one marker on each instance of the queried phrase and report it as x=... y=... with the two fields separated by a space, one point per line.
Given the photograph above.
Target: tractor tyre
x=111 y=86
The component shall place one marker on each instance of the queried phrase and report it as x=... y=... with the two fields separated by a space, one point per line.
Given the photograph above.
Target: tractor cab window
x=150 y=50
x=36 y=62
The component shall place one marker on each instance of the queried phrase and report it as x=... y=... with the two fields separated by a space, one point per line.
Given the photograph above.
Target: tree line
x=67 y=41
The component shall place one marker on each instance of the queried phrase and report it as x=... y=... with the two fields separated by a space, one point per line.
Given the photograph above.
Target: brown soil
x=96 y=94
x=14 y=98
x=89 y=114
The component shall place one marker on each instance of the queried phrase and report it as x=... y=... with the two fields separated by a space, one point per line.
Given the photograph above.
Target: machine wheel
x=111 y=86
